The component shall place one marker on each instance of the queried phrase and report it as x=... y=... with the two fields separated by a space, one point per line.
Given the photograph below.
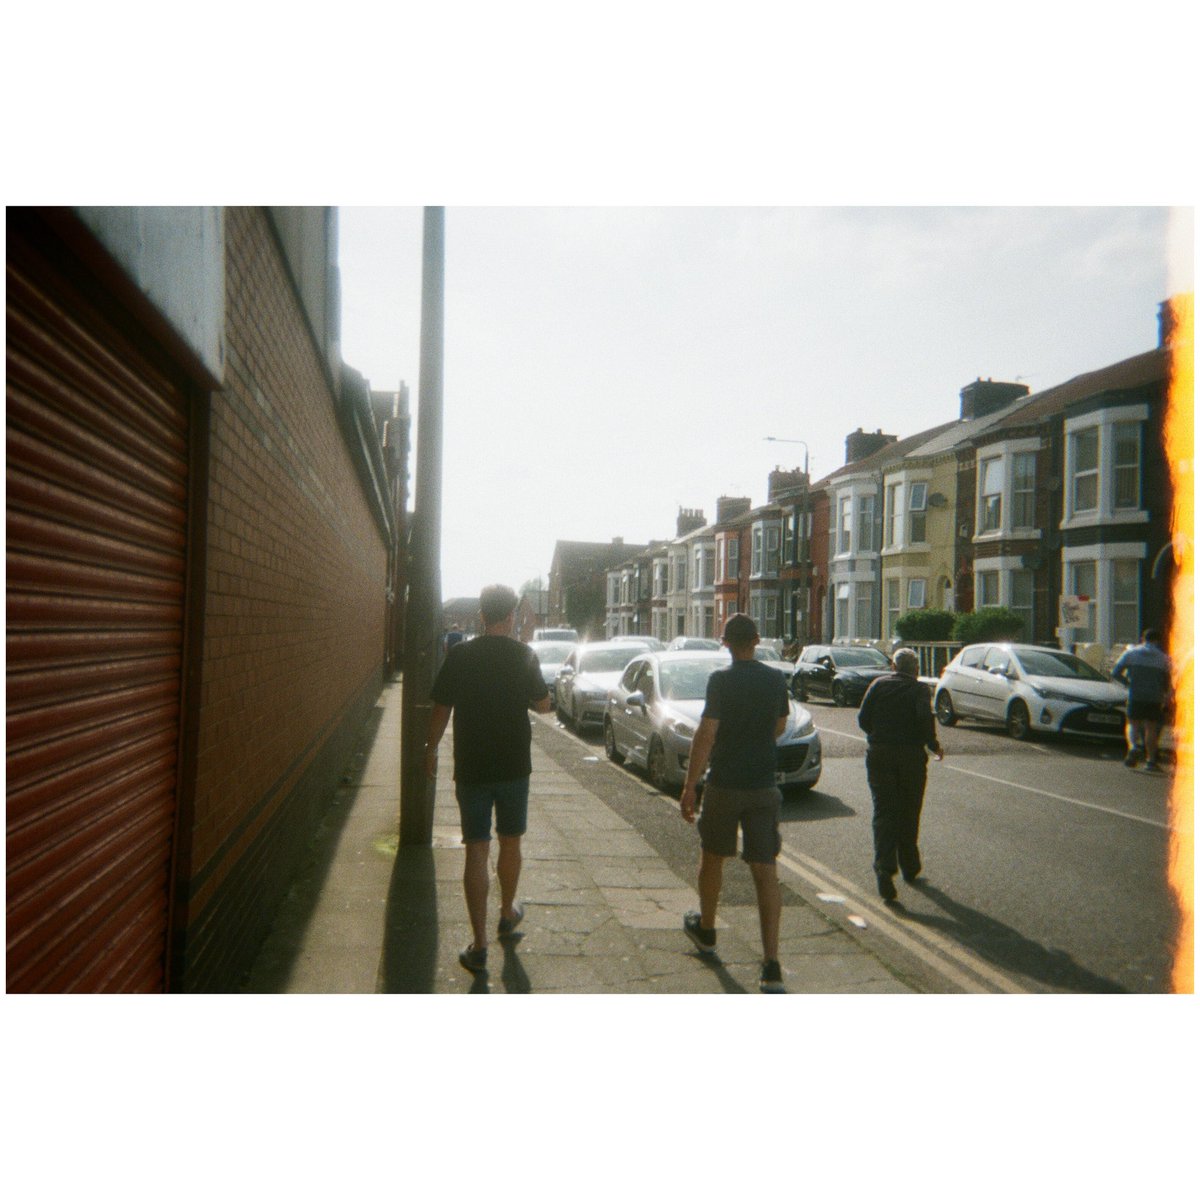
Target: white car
x=551 y=655
x=582 y=683
x=654 y=711
x=1029 y=689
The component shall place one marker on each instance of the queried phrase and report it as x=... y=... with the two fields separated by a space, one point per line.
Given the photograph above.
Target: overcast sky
x=606 y=366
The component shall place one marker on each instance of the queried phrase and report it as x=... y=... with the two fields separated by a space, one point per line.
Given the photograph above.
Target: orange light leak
x=1181 y=450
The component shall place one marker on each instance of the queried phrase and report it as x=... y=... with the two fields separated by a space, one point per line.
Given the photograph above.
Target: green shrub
x=926 y=625
x=993 y=623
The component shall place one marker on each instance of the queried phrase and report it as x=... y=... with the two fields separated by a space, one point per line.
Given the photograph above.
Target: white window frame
x=893 y=514
x=918 y=502
x=1104 y=555
x=841 y=610
x=1105 y=421
x=892 y=599
x=1007 y=452
x=990 y=518
x=845 y=524
x=917 y=593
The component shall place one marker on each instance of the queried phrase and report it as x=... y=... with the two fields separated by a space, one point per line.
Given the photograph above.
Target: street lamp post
x=424 y=619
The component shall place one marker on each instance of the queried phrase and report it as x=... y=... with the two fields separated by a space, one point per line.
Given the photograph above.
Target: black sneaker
x=474 y=960
x=508 y=925
x=771 y=979
x=705 y=940
x=1133 y=757
x=887 y=886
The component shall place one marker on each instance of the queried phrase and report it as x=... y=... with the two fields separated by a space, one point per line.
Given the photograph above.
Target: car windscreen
x=687 y=680
x=1061 y=666
x=552 y=652
x=611 y=658
x=766 y=654
x=859 y=657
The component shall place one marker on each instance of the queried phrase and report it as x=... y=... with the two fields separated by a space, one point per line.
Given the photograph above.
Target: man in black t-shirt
x=746 y=710
x=489 y=684
x=897 y=717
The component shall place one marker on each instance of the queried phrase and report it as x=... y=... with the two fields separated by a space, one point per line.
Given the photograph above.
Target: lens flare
x=1181 y=449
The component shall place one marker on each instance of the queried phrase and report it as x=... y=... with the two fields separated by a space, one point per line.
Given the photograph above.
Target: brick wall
x=294 y=614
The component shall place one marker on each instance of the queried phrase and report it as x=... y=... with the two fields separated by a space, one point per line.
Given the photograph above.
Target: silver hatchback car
x=1027 y=689
x=654 y=711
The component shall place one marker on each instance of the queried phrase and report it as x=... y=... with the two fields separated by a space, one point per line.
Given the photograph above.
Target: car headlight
x=806 y=729
x=682 y=729
x=1051 y=694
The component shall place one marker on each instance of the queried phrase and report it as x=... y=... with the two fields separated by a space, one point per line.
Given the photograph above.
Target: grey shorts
x=476 y=801
x=756 y=810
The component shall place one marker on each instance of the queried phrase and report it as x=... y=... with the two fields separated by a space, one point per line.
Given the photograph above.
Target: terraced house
x=1068 y=496
x=923 y=544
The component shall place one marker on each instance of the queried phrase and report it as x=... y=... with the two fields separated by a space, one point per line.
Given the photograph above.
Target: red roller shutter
x=97 y=504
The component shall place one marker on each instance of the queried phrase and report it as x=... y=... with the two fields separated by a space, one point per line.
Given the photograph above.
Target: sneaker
x=771 y=979
x=887 y=886
x=508 y=925
x=474 y=960
x=1153 y=767
x=705 y=939
x=1131 y=759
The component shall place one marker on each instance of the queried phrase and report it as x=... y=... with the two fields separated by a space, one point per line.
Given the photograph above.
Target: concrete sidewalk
x=603 y=909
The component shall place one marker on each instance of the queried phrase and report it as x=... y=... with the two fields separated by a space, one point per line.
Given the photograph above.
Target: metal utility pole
x=423 y=625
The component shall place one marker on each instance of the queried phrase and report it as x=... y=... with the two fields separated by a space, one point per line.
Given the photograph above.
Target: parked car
x=654 y=710
x=582 y=682
x=1029 y=689
x=772 y=657
x=644 y=640
x=551 y=655
x=843 y=673
x=693 y=643
x=561 y=634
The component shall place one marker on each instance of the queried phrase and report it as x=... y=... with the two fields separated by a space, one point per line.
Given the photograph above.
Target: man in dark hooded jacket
x=897 y=718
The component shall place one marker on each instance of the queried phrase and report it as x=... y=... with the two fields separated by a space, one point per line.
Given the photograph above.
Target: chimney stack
x=688 y=520
x=986 y=396
x=729 y=507
x=859 y=445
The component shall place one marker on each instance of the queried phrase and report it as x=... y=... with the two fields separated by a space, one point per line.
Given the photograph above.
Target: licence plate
x=1104 y=718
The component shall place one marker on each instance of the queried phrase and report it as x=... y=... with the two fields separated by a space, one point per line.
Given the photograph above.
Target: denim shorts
x=475 y=802
x=757 y=810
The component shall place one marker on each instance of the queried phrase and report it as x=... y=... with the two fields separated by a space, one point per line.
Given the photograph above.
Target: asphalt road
x=1045 y=862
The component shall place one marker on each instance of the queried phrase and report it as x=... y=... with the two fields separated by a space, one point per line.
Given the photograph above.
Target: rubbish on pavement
x=855 y=920
x=830 y=898
x=590 y=758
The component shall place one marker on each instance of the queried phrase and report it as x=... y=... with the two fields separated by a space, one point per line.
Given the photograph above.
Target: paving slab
x=603 y=907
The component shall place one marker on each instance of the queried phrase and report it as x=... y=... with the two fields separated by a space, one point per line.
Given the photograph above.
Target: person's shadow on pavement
x=718 y=968
x=513 y=976
x=1003 y=946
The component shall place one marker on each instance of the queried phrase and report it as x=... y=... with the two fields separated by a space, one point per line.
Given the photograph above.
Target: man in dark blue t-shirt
x=489 y=683
x=746 y=710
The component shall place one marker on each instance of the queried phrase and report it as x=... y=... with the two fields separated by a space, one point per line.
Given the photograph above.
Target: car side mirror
x=635 y=700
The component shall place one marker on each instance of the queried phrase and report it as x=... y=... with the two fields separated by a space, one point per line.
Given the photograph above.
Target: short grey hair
x=906 y=662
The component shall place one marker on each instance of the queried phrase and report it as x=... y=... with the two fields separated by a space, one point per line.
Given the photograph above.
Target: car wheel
x=839 y=695
x=656 y=765
x=610 y=744
x=944 y=708
x=800 y=691
x=575 y=717
x=1017 y=721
